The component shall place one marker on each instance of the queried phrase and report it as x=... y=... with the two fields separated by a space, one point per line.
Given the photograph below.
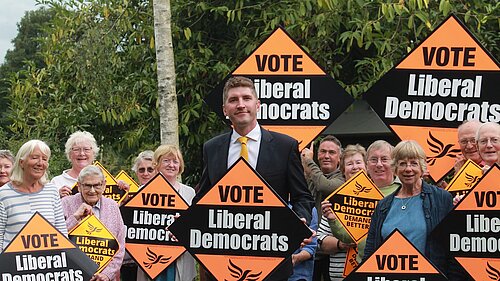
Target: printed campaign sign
x=40 y=252
x=112 y=190
x=297 y=97
x=471 y=230
x=95 y=240
x=396 y=259
x=465 y=179
x=353 y=204
x=351 y=262
x=147 y=215
x=240 y=229
x=447 y=79
x=123 y=176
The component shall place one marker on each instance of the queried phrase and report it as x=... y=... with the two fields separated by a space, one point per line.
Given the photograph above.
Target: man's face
x=379 y=166
x=467 y=141
x=328 y=156
x=241 y=107
x=489 y=143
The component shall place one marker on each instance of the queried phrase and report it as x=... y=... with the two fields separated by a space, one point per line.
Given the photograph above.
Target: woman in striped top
x=29 y=192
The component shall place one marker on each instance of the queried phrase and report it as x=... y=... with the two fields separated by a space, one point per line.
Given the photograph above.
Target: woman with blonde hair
x=168 y=161
x=6 y=163
x=415 y=208
x=29 y=192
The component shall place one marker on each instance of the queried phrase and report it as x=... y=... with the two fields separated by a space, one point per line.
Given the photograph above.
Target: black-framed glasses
x=143 y=170
x=97 y=186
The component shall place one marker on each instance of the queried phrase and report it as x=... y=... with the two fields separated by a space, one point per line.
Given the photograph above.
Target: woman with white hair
x=29 y=192
x=81 y=149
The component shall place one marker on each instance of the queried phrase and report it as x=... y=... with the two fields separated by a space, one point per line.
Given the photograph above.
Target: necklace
x=405 y=203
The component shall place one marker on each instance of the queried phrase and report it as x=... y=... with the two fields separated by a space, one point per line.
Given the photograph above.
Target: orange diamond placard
x=39 y=251
x=470 y=231
x=353 y=204
x=396 y=259
x=95 y=240
x=298 y=98
x=147 y=216
x=447 y=79
x=240 y=229
x=465 y=179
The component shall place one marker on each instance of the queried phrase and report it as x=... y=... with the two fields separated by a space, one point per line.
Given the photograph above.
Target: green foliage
x=100 y=72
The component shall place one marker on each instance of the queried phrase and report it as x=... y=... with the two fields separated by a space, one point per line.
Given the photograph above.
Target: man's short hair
x=332 y=139
x=237 y=81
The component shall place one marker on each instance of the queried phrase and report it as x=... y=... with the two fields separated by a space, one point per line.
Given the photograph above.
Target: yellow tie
x=244 y=148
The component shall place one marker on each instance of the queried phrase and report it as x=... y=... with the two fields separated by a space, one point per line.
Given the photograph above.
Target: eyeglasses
x=97 y=186
x=464 y=142
x=493 y=140
x=404 y=165
x=384 y=160
x=143 y=170
x=86 y=150
x=170 y=161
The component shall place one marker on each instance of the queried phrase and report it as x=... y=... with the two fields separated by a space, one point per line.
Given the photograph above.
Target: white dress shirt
x=253 y=145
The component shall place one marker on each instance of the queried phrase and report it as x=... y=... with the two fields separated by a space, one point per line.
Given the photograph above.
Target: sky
x=11 y=12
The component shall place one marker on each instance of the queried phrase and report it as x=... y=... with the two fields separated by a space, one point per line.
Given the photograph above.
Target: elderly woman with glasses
x=89 y=200
x=143 y=167
x=28 y=192
x=81 y=149
x=415 y=208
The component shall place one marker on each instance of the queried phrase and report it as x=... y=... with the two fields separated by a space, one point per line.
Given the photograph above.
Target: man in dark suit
x=275 y=156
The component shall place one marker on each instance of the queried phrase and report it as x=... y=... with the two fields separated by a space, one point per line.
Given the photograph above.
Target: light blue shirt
x=410 y=221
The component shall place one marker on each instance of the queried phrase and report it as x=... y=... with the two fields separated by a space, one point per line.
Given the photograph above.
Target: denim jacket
x=436 y=202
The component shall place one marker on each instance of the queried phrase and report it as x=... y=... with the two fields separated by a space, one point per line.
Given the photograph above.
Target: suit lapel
x=265 y=150
x=220 y=164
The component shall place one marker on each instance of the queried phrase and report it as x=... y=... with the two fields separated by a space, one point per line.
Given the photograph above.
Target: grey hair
x=90 y=170
x=377 y=145
x=145 y=155
x=26 y=149
x=495 y=125
x=78 y=137
x=7 y=155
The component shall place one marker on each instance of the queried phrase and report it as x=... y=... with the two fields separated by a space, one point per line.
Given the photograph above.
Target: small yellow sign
x=95 y=240
x=123 y=176
x=353 y=204
x=465 y=179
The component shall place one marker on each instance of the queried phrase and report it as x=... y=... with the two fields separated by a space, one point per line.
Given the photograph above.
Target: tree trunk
x=167 y=97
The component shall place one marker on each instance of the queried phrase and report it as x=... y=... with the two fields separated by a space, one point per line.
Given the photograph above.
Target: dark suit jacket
x=278 y=163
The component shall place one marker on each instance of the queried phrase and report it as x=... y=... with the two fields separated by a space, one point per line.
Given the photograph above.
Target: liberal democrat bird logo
x=92 y=229
x=493 y=273
x=471 y=180
x=154 y=259
x=441 y=150
x=360 y=188
x=241 y=275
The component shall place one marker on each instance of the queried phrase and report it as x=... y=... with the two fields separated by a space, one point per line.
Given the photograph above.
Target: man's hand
x=305 y=155
x=300 y=257
x=459 y=162
x=309 y=239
